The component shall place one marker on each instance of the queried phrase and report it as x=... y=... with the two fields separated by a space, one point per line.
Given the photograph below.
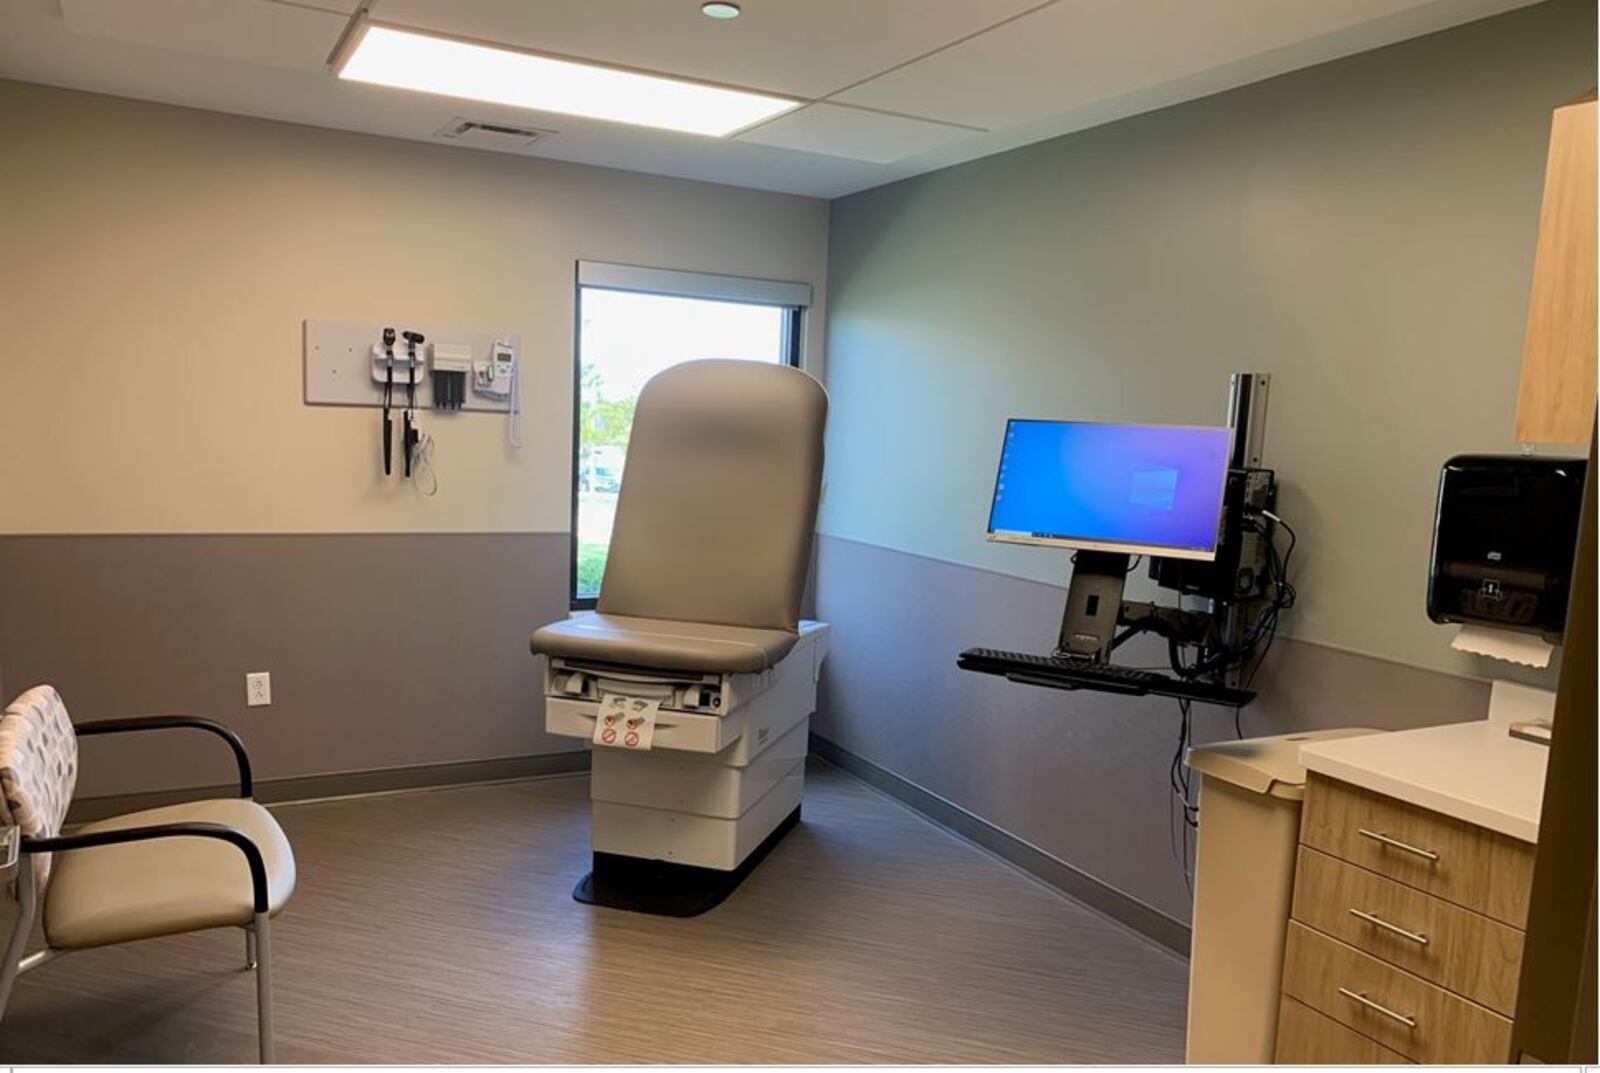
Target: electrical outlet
x=257 y=689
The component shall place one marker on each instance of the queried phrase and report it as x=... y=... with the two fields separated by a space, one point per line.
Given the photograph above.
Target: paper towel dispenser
x=1505 y=529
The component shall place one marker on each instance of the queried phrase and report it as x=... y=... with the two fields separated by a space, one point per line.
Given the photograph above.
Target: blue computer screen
x=1140 y=486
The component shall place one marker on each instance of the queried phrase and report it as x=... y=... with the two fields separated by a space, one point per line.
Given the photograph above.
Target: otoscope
x=411 y=434
x=388 y=399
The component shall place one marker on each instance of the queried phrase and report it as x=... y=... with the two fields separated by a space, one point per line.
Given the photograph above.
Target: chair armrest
x=177 y=722
x=10 y=851
x=194 y=829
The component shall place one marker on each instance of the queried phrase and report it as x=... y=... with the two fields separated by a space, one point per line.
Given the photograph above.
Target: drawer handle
x=1395 y=843
x=1356 y=996
x=1393 y=929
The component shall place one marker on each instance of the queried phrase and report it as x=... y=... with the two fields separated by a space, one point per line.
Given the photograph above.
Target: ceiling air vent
x=479 y=135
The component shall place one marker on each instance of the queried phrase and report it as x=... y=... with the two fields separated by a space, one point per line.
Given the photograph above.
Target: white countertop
x=1475 y=772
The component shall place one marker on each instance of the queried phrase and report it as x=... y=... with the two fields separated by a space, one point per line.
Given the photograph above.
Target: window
x=632 y=324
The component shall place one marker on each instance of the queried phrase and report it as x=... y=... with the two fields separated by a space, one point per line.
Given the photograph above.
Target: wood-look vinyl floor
x=439 y=927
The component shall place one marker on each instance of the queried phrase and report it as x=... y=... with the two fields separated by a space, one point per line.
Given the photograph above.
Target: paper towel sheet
x=1523 y=648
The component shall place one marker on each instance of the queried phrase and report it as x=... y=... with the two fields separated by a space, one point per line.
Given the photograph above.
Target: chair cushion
x=662 y=644
x=38 y=768
x=114 y=894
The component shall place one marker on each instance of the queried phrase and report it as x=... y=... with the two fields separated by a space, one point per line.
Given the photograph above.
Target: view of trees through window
x=625 y=338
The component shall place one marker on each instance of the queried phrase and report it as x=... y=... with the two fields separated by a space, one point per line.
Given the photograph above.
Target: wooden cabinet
x=1472 y=955
x=1389 y=1006
x=1556 y=399
x=1405 y=933
x=1481 y=870
x=1307 y=1038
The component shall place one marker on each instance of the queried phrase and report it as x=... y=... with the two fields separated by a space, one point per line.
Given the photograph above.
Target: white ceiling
x=897 y=87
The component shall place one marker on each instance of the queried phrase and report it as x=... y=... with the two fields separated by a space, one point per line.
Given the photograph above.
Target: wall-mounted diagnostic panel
x=346 y=365
x=404 y=369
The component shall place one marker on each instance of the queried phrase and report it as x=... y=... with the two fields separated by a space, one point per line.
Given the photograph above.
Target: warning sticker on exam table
x=626 y=722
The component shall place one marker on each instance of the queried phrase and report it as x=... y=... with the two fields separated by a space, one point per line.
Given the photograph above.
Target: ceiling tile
x=267 y=61
x=251 y=31
x=806 y=48
x=836 y=130
x=1077 y=52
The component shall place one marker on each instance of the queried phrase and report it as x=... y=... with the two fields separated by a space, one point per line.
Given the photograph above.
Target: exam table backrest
x=719 y=496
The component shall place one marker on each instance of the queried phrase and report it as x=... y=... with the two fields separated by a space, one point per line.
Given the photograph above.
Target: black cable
x=1175 y=829
x=1178 y=779
x=1175 y=659
x=1250 y=653
x=1293 y=540
x=1247 y=654
x=1284 y=597
x=1178 y=772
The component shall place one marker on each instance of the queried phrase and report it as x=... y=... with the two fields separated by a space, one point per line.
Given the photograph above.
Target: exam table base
x=666 y=888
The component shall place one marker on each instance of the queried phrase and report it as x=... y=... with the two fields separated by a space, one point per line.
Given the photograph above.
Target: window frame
x=793 y=299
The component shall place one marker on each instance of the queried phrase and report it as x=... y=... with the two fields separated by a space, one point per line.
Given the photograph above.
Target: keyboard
x=1071 y=672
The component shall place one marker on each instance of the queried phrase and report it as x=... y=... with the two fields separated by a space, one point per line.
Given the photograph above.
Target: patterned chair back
x=38 y=768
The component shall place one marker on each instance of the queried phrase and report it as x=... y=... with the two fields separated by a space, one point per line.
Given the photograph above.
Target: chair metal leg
x=34 y=960
x=263 y=945
x=27 y=905
x=250 y=947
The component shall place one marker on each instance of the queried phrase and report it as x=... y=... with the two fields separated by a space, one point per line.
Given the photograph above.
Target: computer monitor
x=1137 y=489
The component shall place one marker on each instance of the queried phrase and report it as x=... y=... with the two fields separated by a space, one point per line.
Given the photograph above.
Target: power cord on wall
x=514 y=407
x=422 y=466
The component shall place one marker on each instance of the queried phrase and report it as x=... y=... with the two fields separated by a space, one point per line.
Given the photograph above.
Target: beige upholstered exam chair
x=696 y=649
x=163 y=871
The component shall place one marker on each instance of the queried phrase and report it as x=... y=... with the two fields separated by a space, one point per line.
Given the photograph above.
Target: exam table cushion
x=140 y=890
x=663 y=644
x=719 y=496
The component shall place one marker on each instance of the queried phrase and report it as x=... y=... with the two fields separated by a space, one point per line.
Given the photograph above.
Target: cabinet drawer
x=1455 y=948
x=1308 y=1038
x=1462 y=863
x=1402 y=1012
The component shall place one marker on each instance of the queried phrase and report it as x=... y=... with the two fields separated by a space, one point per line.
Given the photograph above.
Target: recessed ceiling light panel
x=720 y=10
x=404 y=59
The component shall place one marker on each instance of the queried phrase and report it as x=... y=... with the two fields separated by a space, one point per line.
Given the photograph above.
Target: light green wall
x=1362 y=230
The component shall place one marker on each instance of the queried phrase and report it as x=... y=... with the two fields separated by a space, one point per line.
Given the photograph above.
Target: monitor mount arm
x=1096 y=612
x=1094 y=604
x=1175 y=624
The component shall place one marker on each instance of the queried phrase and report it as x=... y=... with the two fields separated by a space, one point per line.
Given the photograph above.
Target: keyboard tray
x=1064 y=672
